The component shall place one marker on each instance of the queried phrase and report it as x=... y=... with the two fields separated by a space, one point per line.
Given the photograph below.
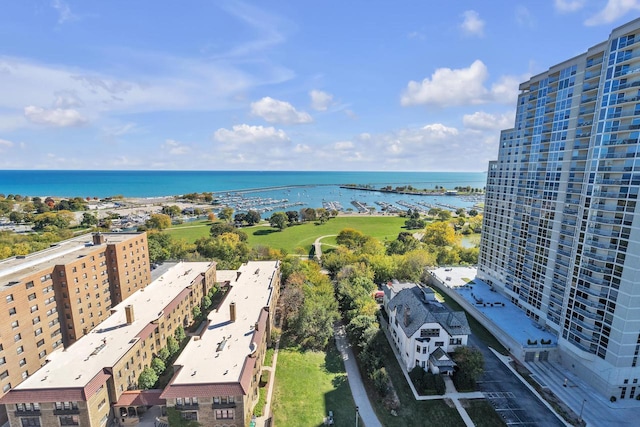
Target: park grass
x=302 y=235
x=308 y=385
x=412 y=413
x=482 y=413
x=190 y=231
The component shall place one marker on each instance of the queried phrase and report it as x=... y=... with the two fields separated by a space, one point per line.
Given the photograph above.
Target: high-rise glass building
x=561 y=231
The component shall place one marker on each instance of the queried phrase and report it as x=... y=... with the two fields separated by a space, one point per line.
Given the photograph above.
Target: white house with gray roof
x=423 y=330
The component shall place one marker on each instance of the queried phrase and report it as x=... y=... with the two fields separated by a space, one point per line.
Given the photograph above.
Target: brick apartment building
x=217 y=375
x=81 y=384
x=50 y=299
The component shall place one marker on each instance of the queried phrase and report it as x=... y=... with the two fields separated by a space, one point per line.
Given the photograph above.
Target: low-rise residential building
x=51 y=298
x=423 y=330
x=80 y=384
x=217 y=375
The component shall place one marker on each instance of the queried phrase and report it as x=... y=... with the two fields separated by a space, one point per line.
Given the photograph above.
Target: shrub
x=441 y=387
x=381 y=381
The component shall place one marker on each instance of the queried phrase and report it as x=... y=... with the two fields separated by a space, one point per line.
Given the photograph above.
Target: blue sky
x=277 y=85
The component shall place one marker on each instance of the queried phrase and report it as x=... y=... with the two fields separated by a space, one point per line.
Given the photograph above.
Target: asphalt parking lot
x=512 y=400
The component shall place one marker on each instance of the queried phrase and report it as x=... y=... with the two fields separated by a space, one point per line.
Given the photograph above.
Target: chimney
x=232 y=311
x=256 y=327
x=407 y=316
x=128 y=311
x=98 y=238
x=238 y=273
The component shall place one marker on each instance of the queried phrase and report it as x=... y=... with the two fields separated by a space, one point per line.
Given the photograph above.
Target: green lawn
x=308 y=385
x=412 y=413
x=191 y=231
x=482 y=413
x=303 y=235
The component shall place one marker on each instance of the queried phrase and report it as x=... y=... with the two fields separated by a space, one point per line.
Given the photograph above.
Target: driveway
x=513 y=400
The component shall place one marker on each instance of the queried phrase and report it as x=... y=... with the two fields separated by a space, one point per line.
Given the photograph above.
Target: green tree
x=57 y=220
x=405 y=242
x=171 y=211
x=172 y=345
x=292 y=217
x=307 y=214
x=179 y=334
x=470 y=367
x=444 y=215
x=439 y=234
x=196 y=312
x=253 y=217
x=413 y=264
x=351 y=238
x=240 y=218
x=206 y=302
x=164 y=354
x=278 y=220
x=147 y=378
x=158 y=365
x=16 y=217
x=159 y=246
x=158 y=222
x=226 y=214
x=380 y=379
x=88 y=220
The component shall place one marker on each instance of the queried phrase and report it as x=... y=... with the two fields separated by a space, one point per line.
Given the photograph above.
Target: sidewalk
x=266 y=414
x=367 y=414
x=580 y=397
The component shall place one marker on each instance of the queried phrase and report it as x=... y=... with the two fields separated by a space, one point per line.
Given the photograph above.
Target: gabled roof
x=421 y=312
x=441 y=359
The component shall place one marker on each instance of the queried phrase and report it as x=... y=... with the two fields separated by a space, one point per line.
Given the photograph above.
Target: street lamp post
x=581 y=408
x=357 y=415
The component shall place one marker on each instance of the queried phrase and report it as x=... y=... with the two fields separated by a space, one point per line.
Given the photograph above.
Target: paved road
x=360 y=397
x=512 y=399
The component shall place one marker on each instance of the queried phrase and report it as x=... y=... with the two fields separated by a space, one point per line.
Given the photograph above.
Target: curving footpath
x=367 y=414
x=317 y=246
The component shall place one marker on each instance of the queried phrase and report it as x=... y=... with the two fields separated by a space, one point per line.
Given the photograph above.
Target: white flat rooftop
x=494 y=305
x=13 y=269
x=103 y=347
x=207 y=360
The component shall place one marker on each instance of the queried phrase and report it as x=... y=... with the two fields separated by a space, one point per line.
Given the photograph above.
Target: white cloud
x=176 y=84
x=320 y=100
x=58 y=117
x=612 y=11
x=524 y=18
x=486 y=121
x=302 y=148
x=64 y=12
x=275 y=111
x=416 y=35
x=343 y=145
x=568 y=5
x=175 y=148
x=241 y=134
x=5 y=143
x=448 y=87
x=472 y=24
x=67 y=99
